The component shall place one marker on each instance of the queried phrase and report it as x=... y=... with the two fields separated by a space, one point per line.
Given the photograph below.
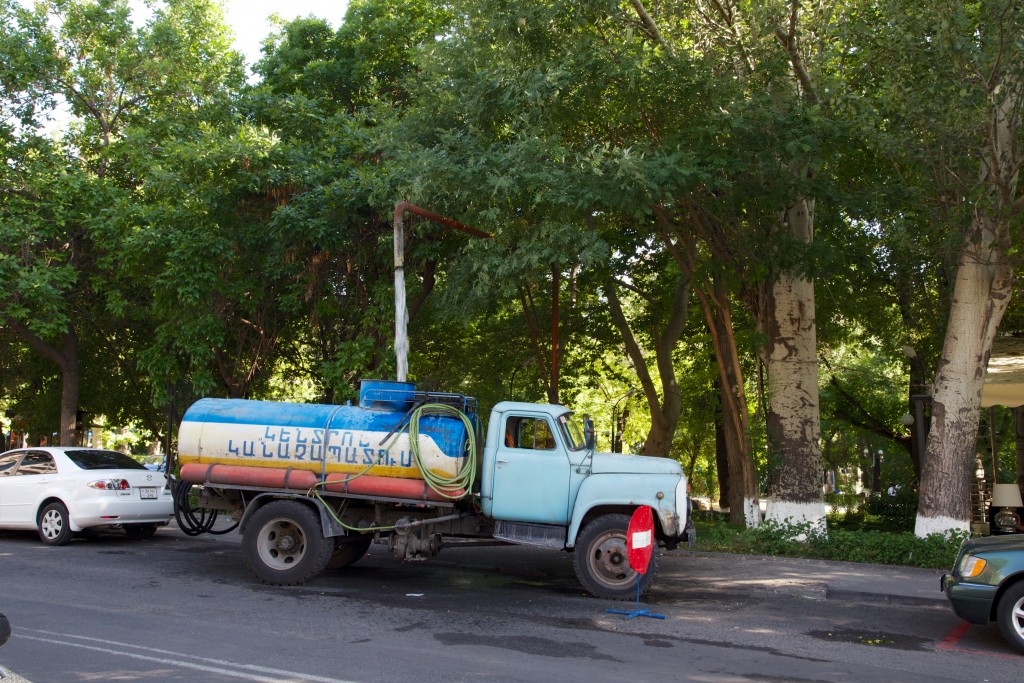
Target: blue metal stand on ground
x=637 y=612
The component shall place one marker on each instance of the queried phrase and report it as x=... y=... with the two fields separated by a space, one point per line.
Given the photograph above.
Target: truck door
x=531 y=473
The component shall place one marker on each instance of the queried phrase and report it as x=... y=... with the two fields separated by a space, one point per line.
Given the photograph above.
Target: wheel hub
x=281 y=544
x=285 y=543
x=51 y=524
x=610 y=560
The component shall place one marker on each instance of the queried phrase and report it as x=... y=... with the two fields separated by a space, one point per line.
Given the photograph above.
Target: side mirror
x=589 y=436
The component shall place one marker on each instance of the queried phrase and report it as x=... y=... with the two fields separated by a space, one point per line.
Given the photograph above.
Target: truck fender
x=625 y=493
x=329 y=527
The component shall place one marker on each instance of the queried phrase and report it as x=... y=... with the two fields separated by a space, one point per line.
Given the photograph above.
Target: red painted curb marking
x=950 y=641
x=954 y=637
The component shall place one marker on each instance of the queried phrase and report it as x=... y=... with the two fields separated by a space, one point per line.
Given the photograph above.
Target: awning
x=1004 y=376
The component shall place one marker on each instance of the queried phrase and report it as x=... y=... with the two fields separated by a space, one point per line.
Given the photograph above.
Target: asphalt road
x=185 y=609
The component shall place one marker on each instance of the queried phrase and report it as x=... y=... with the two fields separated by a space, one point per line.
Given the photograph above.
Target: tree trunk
x=981 y=294
x=980 y=297
x=721 y=454
x=665 y=410
x=66 y=359
x=741 y=492
x=793 y=422
x=70 y=376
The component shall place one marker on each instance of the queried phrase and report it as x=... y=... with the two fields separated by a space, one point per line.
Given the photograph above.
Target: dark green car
x=987 y=584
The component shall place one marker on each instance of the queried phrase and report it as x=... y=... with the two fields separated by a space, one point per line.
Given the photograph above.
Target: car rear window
x=104 y=460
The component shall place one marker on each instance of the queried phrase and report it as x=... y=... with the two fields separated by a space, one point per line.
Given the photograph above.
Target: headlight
x=972 y=566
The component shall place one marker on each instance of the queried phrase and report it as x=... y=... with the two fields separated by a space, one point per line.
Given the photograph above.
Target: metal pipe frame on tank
x=401 y=312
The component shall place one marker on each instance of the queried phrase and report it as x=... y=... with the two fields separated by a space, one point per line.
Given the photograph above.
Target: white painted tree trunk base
x=792 y=513
x=947 y=526
x=751 y=512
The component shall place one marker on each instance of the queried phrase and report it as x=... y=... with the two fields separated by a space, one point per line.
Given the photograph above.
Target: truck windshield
x=572 y=430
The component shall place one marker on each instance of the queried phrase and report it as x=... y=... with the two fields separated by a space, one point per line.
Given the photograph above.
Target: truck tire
x=283 y=543
x=601 y=562
x=1010 y=615
x=349 y=552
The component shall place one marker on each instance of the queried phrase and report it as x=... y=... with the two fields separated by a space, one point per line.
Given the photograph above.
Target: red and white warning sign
x=640 y=539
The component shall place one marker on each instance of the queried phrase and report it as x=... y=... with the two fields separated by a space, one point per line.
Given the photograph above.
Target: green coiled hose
x=457 y=485
x=451 y=487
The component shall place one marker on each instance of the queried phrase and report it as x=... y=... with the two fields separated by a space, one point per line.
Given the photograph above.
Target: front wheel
x=284 y=545
x=602 y=564
x=1010 y=615
x=54 y=524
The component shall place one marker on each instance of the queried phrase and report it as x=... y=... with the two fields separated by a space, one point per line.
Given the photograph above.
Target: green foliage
x=878 y=512
x=936 y=551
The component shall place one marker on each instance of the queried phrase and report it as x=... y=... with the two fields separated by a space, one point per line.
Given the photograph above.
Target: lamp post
x=876 y=472
x=616 y=446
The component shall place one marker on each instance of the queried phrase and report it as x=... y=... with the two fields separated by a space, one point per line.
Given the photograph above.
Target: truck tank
x=363 y=449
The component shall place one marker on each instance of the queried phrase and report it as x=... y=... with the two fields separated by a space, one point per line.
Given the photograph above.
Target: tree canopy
x=748 y=235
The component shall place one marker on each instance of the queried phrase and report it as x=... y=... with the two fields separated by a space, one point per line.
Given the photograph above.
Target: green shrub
x=803 y=540
x=895 y=513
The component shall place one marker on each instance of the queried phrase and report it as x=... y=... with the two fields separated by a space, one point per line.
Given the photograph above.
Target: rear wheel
x=283 y=543
x=1010 y=615
x=601 y=561
x=54 y=524
x=348 y=551
x=139 y=532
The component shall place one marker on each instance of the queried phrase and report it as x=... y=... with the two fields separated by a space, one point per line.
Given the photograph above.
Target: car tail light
x=110 y=485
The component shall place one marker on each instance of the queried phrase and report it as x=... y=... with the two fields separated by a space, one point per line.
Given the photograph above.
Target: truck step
x=543 y=535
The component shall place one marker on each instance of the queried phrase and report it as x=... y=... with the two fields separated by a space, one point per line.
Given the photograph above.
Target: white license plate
x=147 y=492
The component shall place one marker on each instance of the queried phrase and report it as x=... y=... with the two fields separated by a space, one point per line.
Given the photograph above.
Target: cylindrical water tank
x=322 y=439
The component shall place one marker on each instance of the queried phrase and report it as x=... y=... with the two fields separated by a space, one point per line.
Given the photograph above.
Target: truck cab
x=542 y=485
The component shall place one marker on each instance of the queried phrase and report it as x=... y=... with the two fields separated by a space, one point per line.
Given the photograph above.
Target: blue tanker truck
x=312 y=486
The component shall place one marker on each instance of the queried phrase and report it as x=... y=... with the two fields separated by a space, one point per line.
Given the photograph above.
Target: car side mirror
x=589 y=435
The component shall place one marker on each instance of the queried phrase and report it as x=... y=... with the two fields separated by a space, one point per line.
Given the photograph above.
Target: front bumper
x=687 y=533
x=970 y=601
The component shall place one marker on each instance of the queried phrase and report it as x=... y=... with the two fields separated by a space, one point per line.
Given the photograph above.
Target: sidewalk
x=821 y=579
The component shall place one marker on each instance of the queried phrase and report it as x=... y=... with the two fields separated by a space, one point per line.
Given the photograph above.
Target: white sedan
x=60 y=490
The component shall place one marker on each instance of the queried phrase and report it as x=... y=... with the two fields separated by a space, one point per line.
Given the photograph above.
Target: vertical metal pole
x=553 y=396
x=401 y=332
x=401 y=310
x=614 y=422
x=992 y=440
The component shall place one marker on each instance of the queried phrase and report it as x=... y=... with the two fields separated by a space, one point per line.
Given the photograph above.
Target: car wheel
x=1010 y=615
x=139 y=532
x=54 y=524
x=602 y=564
